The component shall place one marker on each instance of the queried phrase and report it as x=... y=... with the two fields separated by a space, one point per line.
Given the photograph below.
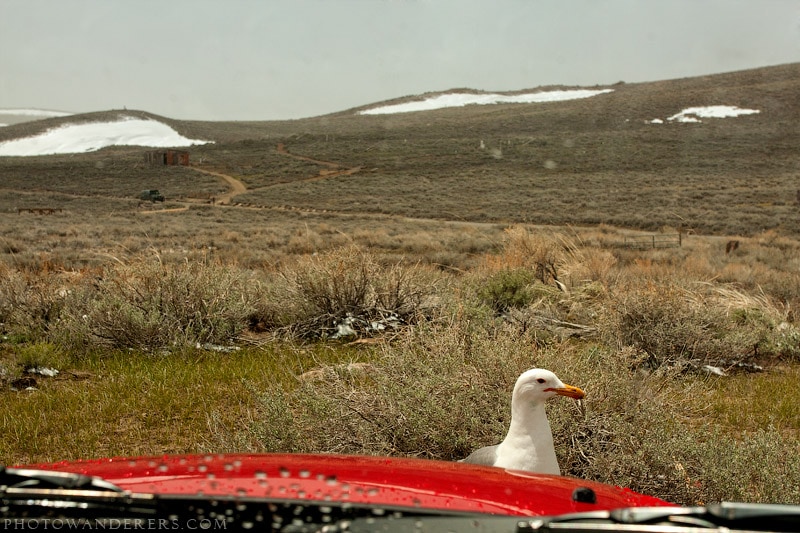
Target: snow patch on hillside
x=694 y=114
x=92 y=136
x=463 y=99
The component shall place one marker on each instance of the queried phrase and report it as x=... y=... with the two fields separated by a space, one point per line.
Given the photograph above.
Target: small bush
x=347 y=284
x=542 y=254
x=673 y=325
x=507 y=289
x=30 y=304
x=149 y=305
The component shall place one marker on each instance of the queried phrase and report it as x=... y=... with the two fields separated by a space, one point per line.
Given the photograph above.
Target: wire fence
x=653 y=241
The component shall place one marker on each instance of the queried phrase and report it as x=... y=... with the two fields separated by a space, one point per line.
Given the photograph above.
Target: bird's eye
x=540 y=380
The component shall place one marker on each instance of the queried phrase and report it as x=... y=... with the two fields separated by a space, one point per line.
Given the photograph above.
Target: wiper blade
x=22 y=478
x=36 y=497
x=724 y=513
x=29 y=498
x=718 y=516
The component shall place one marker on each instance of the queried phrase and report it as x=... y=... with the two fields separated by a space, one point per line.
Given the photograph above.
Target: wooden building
x=167 y=157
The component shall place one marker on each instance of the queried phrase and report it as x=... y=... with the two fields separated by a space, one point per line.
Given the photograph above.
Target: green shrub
x=762 y=322
x=507 y=289
x=675 y=326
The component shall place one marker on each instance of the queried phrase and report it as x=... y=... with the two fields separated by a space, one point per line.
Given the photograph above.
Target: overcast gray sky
x=269 y=59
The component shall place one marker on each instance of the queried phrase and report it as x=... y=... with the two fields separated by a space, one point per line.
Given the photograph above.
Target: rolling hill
x=622 y=157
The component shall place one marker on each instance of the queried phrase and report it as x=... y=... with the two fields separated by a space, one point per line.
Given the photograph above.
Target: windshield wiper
x=716 y=516
x=21 y=478
x=32 y=499
x=722 y=517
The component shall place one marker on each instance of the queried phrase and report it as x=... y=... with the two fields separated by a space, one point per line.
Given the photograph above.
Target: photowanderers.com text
x=111 y=524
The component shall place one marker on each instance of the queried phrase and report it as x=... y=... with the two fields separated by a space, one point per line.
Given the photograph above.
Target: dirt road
x=281 y=148
x=236 y=186
x=335 y=169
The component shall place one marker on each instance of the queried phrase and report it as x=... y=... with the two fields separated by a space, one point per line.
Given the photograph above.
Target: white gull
x=529 y=442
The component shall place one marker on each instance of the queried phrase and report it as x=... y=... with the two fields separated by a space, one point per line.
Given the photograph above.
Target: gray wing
x=482 y=456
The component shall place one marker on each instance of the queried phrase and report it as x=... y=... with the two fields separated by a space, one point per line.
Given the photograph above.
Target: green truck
x=151 y=195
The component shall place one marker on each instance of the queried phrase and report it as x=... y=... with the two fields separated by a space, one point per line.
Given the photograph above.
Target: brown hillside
x=582 y=162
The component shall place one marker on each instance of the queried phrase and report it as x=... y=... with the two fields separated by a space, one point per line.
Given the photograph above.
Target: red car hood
x=413 y=483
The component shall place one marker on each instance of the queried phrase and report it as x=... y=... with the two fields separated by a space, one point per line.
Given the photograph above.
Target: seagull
x=529 y=442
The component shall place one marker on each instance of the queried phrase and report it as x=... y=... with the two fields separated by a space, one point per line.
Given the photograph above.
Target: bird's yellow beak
x=569 y=391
